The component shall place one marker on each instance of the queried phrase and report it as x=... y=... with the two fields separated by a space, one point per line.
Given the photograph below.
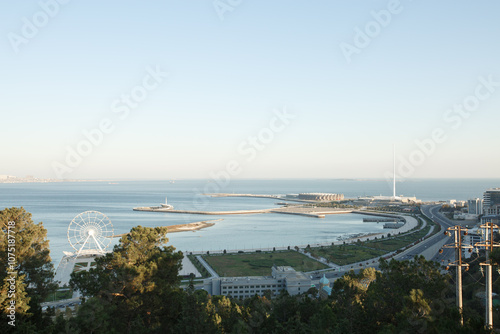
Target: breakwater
x=217 y=213
x=294 y=210
x=244 y=195
x=379 y=220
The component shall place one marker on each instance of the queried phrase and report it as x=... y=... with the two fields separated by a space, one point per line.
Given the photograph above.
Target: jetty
x=379 y=220
x=193 y=212
x=244 y=195
x=182 y=227
x=299 y=210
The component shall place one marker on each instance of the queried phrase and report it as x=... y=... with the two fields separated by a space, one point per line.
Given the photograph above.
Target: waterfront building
x=491 y=202
x=74 y=262
x=385 y=200
x=324 y=197
x=475 y=206
x=495 y=219
x=282 y=278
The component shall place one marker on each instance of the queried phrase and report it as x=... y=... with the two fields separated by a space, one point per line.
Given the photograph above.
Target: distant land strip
x=182 y=227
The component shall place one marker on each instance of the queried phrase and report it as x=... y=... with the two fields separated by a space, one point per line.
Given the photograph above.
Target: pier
x=379 y=220
x=244 y=195
x=294 y=210
x=235 y=212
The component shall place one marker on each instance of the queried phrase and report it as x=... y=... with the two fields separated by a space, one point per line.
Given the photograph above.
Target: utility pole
x=488 y=245
x=458 y=230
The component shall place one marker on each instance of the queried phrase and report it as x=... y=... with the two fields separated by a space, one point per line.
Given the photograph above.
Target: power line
x=457 y=245
x=488 y=245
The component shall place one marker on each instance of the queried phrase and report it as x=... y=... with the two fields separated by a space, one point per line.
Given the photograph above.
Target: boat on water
x=166 y=205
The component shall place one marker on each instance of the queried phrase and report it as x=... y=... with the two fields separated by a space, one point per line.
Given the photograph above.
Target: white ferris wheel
x=90 y=231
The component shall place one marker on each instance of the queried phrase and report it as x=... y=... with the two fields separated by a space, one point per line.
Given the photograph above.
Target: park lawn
x=394 y=244
x=259 y=264
x=347 y=254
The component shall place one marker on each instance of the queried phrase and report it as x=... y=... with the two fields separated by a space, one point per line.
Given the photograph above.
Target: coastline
x=183 y=227
x=192 y=226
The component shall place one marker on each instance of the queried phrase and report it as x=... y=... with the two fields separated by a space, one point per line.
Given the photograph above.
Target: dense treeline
x=26 y=273
x=135 y=289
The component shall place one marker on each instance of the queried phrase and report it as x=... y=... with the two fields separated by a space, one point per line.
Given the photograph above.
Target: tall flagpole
x=394 y=172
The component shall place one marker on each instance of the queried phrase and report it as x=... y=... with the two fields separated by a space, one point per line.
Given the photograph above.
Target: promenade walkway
x=207 y=266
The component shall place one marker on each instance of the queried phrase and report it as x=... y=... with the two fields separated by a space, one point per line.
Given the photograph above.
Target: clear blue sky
x=225 y=78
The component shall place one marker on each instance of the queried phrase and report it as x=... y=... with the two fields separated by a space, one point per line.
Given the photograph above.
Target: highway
x=448 y=255
x=432 y=212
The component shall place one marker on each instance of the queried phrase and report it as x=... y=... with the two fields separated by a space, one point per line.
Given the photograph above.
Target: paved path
x=188 y=268
x=207 y=266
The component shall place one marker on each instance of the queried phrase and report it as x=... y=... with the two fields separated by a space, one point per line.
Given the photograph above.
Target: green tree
x=135 y=281
x=31 y=272
x=413 y=291
x=349 y=294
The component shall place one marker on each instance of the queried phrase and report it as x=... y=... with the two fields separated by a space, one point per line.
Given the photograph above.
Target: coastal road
x=430 y=245
x=432 y=212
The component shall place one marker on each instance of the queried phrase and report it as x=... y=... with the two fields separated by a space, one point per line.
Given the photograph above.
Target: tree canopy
x=26 y=263
x=134 y=281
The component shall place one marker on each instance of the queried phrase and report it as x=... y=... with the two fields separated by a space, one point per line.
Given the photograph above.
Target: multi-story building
x=470 y=240
x=283 y=278
x=491 y=202
x=475 y=206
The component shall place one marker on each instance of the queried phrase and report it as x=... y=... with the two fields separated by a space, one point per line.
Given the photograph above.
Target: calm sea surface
x=56 y=204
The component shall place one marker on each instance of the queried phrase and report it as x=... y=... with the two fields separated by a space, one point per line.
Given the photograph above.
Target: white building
x=72 y=262
x=475 y=206
x=283 y=278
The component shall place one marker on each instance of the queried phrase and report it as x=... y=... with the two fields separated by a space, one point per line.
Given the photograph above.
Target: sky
x=249 y=89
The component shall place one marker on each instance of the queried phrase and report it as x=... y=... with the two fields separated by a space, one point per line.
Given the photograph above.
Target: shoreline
x=182 y=227
x=191 y=226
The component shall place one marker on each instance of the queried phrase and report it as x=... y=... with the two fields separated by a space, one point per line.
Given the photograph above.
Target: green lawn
x=259 y=264
x=391 y=245
x=346 y=254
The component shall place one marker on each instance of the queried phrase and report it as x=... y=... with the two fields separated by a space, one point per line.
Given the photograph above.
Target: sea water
x=56 y=204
